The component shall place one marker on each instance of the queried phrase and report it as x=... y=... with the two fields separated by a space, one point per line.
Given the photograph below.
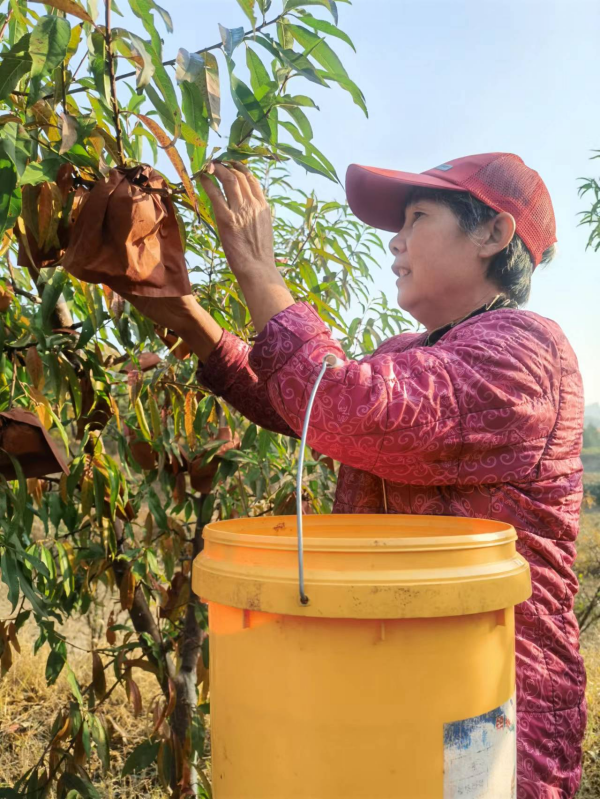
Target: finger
x=215 y=195
x=240 y=172
x=230 y=185
x=252 y=181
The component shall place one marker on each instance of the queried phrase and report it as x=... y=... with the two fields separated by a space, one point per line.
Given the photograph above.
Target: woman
x=480 y=415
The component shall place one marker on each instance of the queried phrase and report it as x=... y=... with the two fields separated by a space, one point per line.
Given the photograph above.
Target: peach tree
x=112 y=455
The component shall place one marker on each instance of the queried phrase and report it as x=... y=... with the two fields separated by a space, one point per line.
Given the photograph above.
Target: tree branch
x=113 y=86
x=173 y=61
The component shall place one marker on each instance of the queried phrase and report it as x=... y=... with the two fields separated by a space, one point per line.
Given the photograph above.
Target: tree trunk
x=186 y=681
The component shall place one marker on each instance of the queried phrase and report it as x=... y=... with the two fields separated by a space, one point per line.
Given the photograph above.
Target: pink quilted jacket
x=487 y=422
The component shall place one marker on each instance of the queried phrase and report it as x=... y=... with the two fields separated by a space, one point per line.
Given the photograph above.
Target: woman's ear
x=497 y=234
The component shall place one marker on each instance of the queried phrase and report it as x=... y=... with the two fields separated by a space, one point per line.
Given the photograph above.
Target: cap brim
x=378 y=196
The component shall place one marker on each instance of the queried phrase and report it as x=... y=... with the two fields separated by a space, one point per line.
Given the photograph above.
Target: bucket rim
x=497 y=534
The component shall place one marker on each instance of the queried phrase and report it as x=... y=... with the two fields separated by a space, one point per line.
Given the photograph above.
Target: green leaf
x=17 y=145
x=328 y=4
x=247 y=7
x=296 y=61
x=12 y=69
x=230 y=37
x=189 y=66
x=350 y=87
x=83 y=787
x=101 y=740
x=146 y=73
x=48 y=45
x=196 y=115
x=202 y=70
x=97 y=64
x=260 y=79
x=40 y=172
x=52 y=291
x=36 y=601
x=297 y=100
x=142 y=9
x=8 y=564
x=301 y=121
x=326 y=27
x=8 y=184
x=247 y=104
x=165 y=16
x=56 y=662
x=142 y=756
x=74 y=685
x=318 y=49
x=307 y=161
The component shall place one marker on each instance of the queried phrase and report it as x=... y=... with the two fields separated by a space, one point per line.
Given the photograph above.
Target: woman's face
x=439 y=268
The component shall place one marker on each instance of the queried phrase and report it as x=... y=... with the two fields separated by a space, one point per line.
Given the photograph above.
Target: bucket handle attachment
x=328 y=361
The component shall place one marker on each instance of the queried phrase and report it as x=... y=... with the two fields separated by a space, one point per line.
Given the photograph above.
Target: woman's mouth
x=402 y=272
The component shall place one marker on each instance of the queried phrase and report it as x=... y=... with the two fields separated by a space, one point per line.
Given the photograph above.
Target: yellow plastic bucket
x=395 y=681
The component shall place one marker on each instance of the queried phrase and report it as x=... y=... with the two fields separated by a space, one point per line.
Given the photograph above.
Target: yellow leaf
x=115 y=408
x=191 y=406
x=68 y=6
x=154 y=416
x=63 y=490
x=141 y=417
x=42 y=407
x=169 y=147
x=87 y=495
x=35 y=367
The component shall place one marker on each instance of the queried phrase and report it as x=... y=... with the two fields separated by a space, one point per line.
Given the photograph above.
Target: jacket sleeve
x=228 y=375
x=476 y=408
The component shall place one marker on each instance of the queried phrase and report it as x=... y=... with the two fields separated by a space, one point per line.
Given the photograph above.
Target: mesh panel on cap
x=506 y=184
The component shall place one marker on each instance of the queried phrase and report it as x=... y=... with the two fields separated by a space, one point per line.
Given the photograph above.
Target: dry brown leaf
x=12 y=637
x=34 y=489
x=69 y=133
x=35 y=367
x=179 y=492
x=133 y=694
x=127 y=590
x=98 y=676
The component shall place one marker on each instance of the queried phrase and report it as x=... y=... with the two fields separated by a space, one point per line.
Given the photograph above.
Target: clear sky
x=446 y=78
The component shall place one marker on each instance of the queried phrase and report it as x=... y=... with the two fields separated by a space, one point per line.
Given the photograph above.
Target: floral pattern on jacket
x=485 y=423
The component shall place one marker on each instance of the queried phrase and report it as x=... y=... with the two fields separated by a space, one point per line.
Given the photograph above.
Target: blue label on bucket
x=480 y=755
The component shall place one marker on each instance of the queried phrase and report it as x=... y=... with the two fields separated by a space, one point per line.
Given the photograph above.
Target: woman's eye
x=417 y=214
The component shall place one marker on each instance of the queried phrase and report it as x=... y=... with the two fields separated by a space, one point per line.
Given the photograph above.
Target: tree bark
x=143 y=621
x=190 y=649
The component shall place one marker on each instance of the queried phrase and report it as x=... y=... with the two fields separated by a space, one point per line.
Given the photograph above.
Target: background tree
x=147 y=455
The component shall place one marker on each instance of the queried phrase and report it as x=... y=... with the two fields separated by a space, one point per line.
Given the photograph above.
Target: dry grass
x=28 y=707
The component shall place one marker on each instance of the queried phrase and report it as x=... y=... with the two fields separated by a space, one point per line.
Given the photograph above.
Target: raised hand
x=244 y=222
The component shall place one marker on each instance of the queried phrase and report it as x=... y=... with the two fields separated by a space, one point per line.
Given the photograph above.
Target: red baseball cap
x=500 y=180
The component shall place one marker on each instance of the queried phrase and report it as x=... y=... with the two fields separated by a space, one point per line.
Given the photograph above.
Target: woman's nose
x=397 y=244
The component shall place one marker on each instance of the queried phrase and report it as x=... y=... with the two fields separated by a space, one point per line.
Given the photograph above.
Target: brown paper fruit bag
x=127 y=236
x=23 y=436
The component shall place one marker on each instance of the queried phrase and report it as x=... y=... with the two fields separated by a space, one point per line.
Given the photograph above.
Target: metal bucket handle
x=328 y=361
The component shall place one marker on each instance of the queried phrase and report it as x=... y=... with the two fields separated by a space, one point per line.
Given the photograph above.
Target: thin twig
x=113 y=85
x=6 y=21
x=173 y=61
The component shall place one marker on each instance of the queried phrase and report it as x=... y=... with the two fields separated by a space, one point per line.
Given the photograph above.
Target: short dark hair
x=510 y=269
